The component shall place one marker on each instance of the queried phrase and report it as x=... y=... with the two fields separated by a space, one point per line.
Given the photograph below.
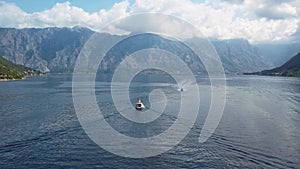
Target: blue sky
x=90 y=6
x=31 y=6
x=255 y=20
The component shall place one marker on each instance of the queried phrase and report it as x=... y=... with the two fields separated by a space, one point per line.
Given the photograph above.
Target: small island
x=10 y=71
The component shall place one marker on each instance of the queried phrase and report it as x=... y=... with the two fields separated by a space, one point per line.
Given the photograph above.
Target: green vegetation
x=10 y=71
x=290 y=68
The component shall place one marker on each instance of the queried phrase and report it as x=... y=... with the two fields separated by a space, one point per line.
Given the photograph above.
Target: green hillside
x=10 y=71
x=290 y=68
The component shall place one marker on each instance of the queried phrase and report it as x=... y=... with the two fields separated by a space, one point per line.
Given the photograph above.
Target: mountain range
x=56 y=49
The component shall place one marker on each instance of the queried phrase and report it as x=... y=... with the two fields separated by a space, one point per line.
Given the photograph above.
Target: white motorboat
x=139 y=105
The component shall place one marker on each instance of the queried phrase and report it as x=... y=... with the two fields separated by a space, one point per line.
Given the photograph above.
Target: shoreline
x=23 y=78
x=8 y=80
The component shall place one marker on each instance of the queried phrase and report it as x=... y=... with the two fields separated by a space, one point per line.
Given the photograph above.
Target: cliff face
x=56 y=50
x=238 y=55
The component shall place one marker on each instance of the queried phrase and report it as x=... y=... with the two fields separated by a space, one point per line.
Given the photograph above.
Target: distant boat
x=181 y=89
x=139 y=105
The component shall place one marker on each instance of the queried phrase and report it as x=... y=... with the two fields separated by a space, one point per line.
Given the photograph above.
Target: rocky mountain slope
x=49 y=49
x=56 y=49
x=238 y=55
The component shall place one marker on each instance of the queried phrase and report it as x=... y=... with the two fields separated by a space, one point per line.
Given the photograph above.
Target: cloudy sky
x=258 y=21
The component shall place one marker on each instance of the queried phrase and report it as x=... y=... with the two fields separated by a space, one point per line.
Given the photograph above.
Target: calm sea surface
x=260 y=127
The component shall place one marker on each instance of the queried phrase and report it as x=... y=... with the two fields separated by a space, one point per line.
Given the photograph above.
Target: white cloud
x=11 y=15
x=270 y=9
x=228 y=20
x=255 y=20
x=60 y=15
x=156 y=23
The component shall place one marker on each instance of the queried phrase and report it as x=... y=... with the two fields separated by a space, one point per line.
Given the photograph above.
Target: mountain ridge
x=56 y=49
x=239 y=55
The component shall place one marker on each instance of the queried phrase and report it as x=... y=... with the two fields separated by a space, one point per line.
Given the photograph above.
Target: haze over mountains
x=56 y=50
x=278 y=54
x=290 y=68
